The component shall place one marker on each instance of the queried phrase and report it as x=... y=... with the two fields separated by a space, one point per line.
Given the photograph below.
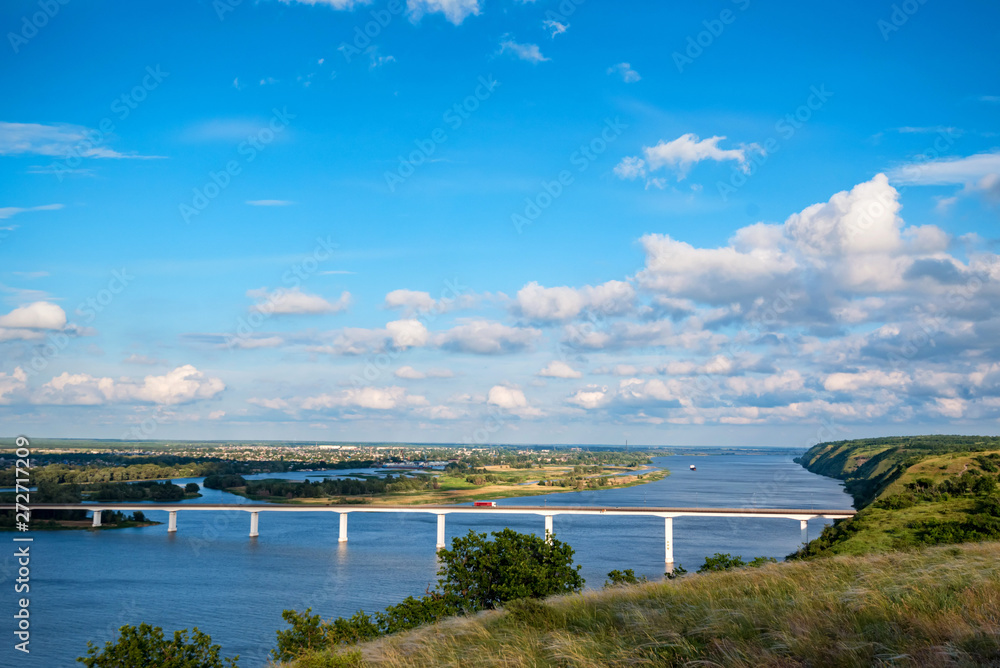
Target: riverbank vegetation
x=910 y=491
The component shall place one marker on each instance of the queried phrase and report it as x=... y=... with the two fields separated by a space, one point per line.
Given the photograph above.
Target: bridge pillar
x=804 y=527
x=548 y=529
x=668 y=537
x=97 y=518
x=343 y=527
x=253 y=525
x=172 y=522
x=440 y=536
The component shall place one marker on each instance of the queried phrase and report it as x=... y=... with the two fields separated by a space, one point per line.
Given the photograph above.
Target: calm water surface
x=85 y=584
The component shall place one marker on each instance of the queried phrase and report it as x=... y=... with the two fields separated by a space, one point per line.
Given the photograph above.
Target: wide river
x=210 y=574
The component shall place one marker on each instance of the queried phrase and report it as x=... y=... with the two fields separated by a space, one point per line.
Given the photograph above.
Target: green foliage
x=151 y=490
x=484 y=574
x=476 y=574
x=725 y=561
x=145 y=646
x=191 y=488
x=625 y=577
x=678 y=571
x=223 y=481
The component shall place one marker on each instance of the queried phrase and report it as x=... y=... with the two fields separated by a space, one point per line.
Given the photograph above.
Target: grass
x=934 y=607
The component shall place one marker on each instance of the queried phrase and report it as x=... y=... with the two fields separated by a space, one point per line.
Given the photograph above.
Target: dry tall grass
x=933 y=607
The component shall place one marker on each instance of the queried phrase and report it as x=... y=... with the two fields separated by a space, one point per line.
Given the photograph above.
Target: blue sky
x=500 y=221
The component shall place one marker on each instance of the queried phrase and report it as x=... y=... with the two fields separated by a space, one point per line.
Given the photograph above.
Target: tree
x=485 y=574
x=191 y=488
x=143 y=646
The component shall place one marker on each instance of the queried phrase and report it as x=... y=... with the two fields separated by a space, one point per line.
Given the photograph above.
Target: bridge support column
x=440 y=536
x=804 y=527
x=343 y=527
x=172 y=522
x=97 y=518
x=548 y=529
x=253 y=525
x=668 y=538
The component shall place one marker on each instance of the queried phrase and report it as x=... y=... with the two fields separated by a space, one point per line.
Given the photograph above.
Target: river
x=85 y=584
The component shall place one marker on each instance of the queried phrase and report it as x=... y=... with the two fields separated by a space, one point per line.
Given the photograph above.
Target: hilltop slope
x=911 y=491
x=935 y=607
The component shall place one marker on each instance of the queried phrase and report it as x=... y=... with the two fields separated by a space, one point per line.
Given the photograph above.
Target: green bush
x=145 y=646
x=625 y=577
x=476 y=574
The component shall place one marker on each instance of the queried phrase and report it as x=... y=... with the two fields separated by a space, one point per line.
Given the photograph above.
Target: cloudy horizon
x=500 y=222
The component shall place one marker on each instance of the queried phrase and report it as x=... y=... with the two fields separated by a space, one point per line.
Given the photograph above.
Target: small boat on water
x=693 y=468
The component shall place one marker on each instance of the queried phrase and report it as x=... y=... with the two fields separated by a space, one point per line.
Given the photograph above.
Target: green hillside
x=933 y=607
x=911 y=491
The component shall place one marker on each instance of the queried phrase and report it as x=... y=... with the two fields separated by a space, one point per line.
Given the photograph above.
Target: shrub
x=625 y=577
x=144 y=646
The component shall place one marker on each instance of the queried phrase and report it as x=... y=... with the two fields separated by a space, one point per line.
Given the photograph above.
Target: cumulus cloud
x=564 y=303
x=12 y=384
x=559 y=369
x=681 y=154
x=38 y=315
x=295 y=301
x=407 y=333
x=182 y=385
x=485 y=337
x=410 y=301
x=527 y=52
x=511 y=400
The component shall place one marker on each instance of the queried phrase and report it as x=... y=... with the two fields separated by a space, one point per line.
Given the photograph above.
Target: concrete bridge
x=548 y=512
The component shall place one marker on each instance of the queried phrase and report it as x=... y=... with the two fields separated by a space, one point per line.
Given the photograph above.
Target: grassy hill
x=911 y=491
x=934 y=607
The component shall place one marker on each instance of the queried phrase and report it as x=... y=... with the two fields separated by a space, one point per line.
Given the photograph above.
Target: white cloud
x=8 y=211
x=12 y=384
x=58 y=141
x=145 y=360
x=863 y=380
x=294 y=301
x=512 y=400
x=947 y=171
x=681 y=153
x=559 y=369
x=564 y=303
x=591 y=397
x=371 y=398
x=626 y=72
x=555 y=27
x=407 y=333
x=410 y=301
x=630 y=168
x=38 y=315
x=409 y=373
x=527 y=52
x=182 y=385
x=485 y=337
x=269 y=202
x=455 y=11
x=335 y=4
